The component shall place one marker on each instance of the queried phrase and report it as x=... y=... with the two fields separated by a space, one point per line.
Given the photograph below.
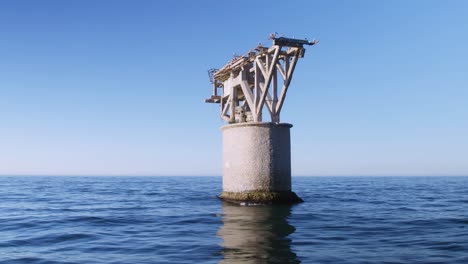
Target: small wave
x=35 y=260
x=55 y=238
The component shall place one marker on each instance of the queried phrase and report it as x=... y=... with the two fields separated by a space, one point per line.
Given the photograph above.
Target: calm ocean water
x=180 y=220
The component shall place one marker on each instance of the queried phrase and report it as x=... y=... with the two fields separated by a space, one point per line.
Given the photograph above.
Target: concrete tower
x=257 y=154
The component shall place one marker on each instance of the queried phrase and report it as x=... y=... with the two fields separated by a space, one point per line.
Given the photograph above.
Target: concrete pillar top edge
x=257 y=124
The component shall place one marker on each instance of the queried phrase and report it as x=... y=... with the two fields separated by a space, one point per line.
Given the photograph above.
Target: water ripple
x=179 y=220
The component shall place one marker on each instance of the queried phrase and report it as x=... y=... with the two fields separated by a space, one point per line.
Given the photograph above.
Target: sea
x=180 y=220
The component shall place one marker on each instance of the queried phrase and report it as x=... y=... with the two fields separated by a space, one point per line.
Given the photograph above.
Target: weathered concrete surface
x=256 y=160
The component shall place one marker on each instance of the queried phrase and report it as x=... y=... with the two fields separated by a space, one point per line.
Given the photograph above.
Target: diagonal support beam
x=225 y=107
x=269 y=100
x=271 y=66
x=248 y=96
x=280 y=69
x=260 y=66
x=286 y=83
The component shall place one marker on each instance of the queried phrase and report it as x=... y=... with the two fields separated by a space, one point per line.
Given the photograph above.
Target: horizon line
x=155 y=175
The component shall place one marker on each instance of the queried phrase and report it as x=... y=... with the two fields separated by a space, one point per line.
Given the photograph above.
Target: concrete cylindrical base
x=257 y=163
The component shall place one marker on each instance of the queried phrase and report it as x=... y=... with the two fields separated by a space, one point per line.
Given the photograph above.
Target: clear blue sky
x=118 y=87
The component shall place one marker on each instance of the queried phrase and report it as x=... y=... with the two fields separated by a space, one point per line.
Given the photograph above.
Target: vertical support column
x=274 y=113
x=257 y=92
x=257 y=163
x=234 y=102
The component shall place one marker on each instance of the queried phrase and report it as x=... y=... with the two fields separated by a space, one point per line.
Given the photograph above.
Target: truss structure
x=248 y=83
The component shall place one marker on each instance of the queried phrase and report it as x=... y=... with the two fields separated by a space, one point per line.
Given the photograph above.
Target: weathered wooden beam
x=270 y=67
x=292 y=51
x=257 y=92
x=225 y=102
x=268 y=99
x=248 y=95
x=260 y=66
x=274 y=91
x=226 y=118
x=273 y=49
x=280 y=69
x=213 y=99
x=289 y=75
x=234 y=102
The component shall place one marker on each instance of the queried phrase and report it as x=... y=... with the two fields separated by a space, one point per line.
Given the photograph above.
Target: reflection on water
x=256 y=234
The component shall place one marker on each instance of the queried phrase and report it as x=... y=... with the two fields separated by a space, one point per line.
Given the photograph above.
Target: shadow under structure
x=256 y=234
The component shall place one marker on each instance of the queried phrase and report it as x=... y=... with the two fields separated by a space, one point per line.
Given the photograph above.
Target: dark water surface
x=179 y=220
